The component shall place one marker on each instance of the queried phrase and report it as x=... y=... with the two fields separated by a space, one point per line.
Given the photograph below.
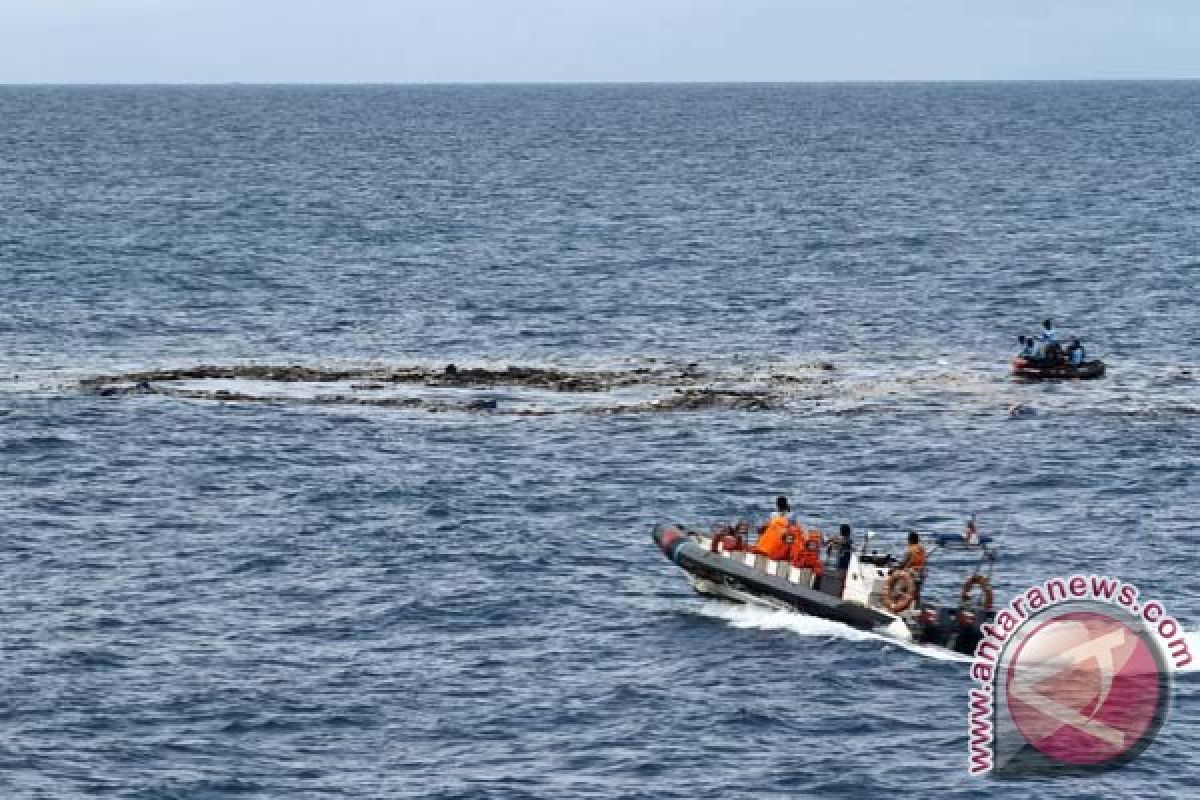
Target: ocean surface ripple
x=265 y=594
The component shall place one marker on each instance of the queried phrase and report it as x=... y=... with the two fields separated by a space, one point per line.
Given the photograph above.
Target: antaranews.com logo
x=1073 y=676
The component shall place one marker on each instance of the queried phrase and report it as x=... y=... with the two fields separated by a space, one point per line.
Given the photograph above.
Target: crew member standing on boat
x=1049 y=339
x=773 y=540
x=914 y=561
x=1049 y=334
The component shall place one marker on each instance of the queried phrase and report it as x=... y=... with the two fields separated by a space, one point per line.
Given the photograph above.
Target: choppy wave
x=474 y=581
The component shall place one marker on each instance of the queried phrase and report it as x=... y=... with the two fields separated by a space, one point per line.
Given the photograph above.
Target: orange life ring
x=978 y=582
x=899 y=591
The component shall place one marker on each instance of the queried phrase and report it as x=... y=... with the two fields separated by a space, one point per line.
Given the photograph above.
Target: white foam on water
x=510 y=398
x=35 y=381
x=748 y=617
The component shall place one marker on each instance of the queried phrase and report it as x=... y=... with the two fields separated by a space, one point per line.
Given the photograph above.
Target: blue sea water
x=211 y=600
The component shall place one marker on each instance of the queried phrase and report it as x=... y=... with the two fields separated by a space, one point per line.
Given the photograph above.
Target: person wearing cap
x=775 y=540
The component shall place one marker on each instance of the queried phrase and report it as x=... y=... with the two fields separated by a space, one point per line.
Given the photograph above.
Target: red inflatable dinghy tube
x=1026 y=369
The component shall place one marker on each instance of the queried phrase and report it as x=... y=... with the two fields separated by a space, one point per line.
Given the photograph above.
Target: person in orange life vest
x=773 y=541
x=807 y=555
x=914 y=560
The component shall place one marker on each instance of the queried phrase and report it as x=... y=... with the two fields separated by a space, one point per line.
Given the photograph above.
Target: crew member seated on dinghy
x=1076 y=354
x=914 y=560
x=1038 y=350
x=1028 y=346
x=773 y=540
x=807 y=552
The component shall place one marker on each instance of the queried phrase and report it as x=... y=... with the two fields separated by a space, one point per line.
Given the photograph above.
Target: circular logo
x=1087 y=688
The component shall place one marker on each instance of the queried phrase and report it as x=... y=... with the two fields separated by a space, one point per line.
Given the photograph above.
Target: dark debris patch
x=702 y=400
x=687 y=382
x=377 y=377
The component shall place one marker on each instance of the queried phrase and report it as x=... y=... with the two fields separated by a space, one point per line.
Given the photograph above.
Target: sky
x=452 y=41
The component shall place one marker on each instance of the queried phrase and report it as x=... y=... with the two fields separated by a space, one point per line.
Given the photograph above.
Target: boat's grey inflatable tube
x=696 y=560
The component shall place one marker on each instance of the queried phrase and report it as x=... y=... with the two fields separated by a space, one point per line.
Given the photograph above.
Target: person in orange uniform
x=774 y=542
x=914 y=561
x=807 y=554
x=814 y=543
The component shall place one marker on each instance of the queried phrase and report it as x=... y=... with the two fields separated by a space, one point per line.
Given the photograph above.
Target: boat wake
x=746 y=617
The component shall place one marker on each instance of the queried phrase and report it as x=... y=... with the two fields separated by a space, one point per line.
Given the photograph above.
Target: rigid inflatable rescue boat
x=868 y=594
